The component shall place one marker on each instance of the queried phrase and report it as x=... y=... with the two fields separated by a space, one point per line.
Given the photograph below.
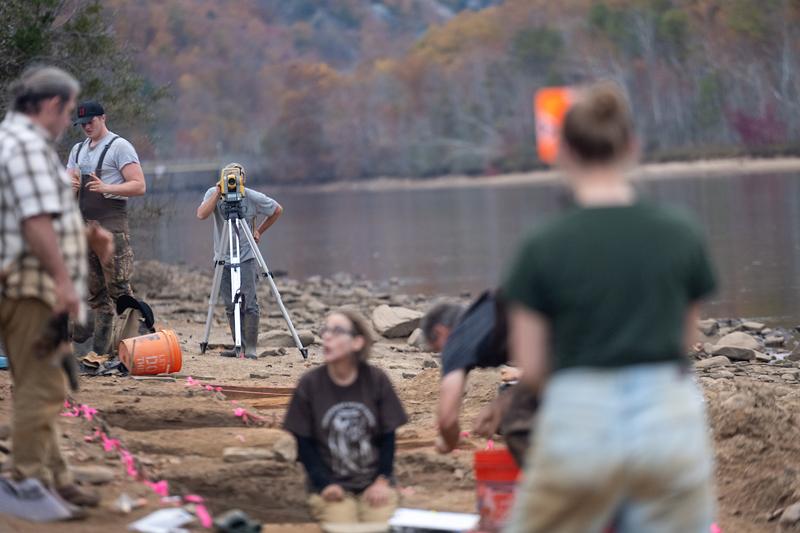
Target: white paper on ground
x=418 y=518
x=163 y=521
x=30 y=500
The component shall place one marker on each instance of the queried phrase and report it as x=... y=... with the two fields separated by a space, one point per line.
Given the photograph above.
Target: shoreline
x=710 y=168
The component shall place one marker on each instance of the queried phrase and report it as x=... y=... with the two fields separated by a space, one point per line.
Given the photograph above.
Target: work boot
x=251 y=336
x=103 y=325
x=232 y=352
x=78 y=496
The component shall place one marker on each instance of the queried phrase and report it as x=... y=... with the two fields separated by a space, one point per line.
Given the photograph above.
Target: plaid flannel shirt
x=34 y=182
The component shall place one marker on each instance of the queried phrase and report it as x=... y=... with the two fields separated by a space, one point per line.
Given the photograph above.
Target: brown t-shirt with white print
x=346 y=422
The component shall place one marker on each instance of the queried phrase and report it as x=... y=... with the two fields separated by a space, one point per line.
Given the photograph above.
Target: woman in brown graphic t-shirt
x=344 y=415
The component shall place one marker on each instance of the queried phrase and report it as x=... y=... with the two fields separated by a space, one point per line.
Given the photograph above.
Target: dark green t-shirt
x=614 y=282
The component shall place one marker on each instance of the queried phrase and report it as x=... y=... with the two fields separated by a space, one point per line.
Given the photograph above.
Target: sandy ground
x=711 y=168
x=178 y=431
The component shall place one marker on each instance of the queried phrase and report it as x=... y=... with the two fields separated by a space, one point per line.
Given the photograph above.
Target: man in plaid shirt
x=43 y=268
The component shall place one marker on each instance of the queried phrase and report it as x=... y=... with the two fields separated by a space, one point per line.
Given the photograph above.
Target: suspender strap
x=99 y=168
x=103 y=156
x=78 y=151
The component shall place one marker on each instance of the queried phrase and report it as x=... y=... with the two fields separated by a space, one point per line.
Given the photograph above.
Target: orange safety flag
x=550 y=104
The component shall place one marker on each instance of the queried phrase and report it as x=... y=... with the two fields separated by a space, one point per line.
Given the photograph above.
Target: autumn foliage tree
x=347 y=89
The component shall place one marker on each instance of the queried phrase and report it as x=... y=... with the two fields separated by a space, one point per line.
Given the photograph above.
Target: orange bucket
x=155 y=353
x=496 y=476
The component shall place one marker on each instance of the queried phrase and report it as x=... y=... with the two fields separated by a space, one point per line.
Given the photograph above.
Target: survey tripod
x=235 y=226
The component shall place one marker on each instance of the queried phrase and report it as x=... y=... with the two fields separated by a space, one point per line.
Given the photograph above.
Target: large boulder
x=393 y=322
x=734 y=353
x=740 y=340
x=737 y=346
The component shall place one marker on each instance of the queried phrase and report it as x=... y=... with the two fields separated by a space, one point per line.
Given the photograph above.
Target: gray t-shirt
x=120 y=154
x=254 y=204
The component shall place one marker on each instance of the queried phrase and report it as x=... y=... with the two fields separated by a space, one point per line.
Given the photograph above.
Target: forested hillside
x=346 y=89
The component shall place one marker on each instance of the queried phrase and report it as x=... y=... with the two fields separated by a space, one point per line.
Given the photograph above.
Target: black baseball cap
x=87 y=110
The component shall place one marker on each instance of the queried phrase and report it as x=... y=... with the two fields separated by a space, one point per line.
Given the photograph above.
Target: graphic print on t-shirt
x=349 y=426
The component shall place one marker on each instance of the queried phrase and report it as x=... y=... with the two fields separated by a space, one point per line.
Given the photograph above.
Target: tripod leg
x=212 y=302
x=233 y=243
x=274 y=288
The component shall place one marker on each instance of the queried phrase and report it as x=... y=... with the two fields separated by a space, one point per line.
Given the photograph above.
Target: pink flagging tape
x=490 y=444
x=77 y=411
x=161 y=488
x=245 y=416
x=203 y=515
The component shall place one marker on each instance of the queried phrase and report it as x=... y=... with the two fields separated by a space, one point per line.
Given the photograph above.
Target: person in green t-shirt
x=603 y=302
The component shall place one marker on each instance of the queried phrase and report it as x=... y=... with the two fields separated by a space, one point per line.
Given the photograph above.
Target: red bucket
x=496 y=476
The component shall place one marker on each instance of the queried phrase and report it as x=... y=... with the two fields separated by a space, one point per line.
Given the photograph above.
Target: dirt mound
x=757 y=439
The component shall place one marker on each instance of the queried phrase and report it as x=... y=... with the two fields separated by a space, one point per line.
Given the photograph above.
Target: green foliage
x=708 y=107
x=77 y=39
x=615 y=25
x=747 y=17
x=673 y=32
x=535 y=49
x=671 y=25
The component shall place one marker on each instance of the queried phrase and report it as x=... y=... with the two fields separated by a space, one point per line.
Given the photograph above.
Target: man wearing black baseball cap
x=105 y=172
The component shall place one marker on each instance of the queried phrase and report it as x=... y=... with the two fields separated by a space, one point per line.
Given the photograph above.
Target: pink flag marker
x=161 y=488
x=203 y=515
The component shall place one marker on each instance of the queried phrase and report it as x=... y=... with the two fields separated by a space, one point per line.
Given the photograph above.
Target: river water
x=458 y=240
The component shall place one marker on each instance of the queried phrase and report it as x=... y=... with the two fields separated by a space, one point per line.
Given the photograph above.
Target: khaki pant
x=39 y=392
x=352 y=509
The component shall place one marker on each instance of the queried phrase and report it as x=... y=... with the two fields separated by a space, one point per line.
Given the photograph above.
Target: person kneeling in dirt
x=476 y=337
x=344 y=415
x=254 y=204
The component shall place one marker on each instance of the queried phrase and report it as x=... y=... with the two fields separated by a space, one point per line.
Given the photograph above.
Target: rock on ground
x=737 y=346
x=417 y=339
x=740 y=340
x=92 y=474
x=241 y=455
x=791 y=515
x=394 y=322
x=718 y=360
x=708 y=327
x=285 y=449
x=283 y=339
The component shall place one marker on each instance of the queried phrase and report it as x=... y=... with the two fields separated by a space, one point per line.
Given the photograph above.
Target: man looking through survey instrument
x=229 y=193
